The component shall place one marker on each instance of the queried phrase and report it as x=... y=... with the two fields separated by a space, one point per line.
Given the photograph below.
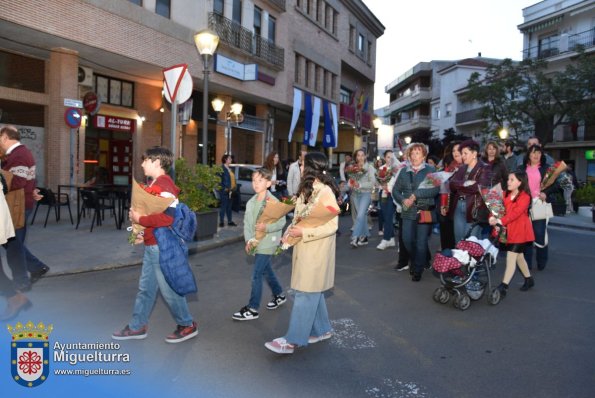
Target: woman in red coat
x=519 y=230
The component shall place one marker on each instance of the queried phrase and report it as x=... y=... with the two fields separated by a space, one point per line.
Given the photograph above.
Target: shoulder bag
x=541 y=210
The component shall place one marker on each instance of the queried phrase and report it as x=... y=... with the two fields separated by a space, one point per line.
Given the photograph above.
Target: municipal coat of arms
x=29 y=353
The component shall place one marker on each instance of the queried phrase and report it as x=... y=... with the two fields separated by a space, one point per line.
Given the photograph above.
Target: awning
x=542 y=25
x=407 y=107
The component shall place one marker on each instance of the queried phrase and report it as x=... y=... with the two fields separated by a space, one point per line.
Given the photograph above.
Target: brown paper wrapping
x=145 y=203
x=323 y=211
x=554 y=176
x=273 y=210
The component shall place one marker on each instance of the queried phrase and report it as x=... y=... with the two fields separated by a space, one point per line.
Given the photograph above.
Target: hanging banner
x=315 y=122
x=335 y=123
x=308 y=118
x=328 y=140
x=297 y=107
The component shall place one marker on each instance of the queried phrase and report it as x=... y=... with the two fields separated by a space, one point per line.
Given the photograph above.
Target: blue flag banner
x=308 y=118
x=329 y=135
x=315 y=122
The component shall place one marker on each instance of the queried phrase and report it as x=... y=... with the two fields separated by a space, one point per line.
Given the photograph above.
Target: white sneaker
x=390 y=242
x=316 y=339
x=380 y=233
x=386 y=243
x=353 y=242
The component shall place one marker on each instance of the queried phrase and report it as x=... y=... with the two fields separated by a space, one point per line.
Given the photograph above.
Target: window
x=345 y=95
x=317 y=71
x=257 y=20
x=352 y=37
x=237 y=12
x=218 y=7
x=319 y=10
x=307 y=74
x=137 y=2
x=272 y=28
x=296 y=78
x=548 y=46
x=436 y=113
x=447 y=110
x=360 y=43
x=163 y=8
x=114 y=91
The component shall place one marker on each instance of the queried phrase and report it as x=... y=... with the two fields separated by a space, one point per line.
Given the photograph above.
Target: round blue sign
x=73 y=117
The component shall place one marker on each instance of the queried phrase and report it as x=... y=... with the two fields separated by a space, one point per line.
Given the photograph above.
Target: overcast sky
x=426 y=30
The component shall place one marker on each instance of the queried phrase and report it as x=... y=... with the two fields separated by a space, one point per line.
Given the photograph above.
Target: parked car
x=243 y=174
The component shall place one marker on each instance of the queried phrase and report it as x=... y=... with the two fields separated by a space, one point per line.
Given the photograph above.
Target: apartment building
x=552 y=30
x=53 y=54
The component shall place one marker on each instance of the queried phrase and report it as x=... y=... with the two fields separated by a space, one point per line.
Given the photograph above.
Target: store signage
x=590 y=154
x=113 y=123
x=91 y=103
x=72 y=103
x=235 y=69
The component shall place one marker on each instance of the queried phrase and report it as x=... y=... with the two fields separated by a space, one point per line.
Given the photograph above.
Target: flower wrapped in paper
x=552 y=174
x=272 y=211
x=146 y=200
x=494 y=200
x=319 y=210
x=433 y=180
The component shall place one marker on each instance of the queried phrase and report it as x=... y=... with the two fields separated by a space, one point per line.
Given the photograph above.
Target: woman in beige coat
x=313 y=270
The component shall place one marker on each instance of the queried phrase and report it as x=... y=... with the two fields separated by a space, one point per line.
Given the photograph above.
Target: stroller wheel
x=494 y=297
x=462 y=302
x=441 y=295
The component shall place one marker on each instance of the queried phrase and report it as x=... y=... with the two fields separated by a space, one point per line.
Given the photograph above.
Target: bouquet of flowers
x=433 y=180
x=146 y=200
x=318 y=211
x=494 y=200
x=552 y=173
x=269 y=213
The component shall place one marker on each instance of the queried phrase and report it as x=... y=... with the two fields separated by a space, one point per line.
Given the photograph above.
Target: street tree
x=527 y=96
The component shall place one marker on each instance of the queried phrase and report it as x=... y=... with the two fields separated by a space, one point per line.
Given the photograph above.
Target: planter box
x=559 y=209
x=584 y=211
x=206 y=227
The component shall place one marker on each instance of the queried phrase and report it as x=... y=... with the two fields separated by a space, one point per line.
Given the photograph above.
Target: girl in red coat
x=519 y=230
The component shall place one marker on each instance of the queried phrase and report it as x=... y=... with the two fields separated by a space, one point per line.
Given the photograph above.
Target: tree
x=526 y=96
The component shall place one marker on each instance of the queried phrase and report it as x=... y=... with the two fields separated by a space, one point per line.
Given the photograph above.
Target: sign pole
x=72 y=131
x=174 y=134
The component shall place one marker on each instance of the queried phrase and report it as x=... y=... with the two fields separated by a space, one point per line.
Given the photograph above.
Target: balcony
x=561 y=44
x=406 y=101
x=412 y=125
x=243 y=39
x=279 y=4
x=469 y=117
x=348 y=114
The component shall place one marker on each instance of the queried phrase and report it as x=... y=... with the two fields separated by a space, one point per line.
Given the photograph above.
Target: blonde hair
x=416 y=145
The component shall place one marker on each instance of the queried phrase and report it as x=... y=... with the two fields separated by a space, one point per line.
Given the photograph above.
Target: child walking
x=261 y=181
x=519 y=230
x=156 y=163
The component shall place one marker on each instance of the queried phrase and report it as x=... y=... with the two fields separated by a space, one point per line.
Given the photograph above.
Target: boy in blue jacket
x=156 y=163
x=265 y=248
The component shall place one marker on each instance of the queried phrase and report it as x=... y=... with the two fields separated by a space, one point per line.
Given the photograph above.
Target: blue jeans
x=539 y=229
x=225 y=208
x=309 y=317
x=461 y=226
x=388 y=212
x=262 y=268
x=415 y=238
x=151 y=280
x=361 y=201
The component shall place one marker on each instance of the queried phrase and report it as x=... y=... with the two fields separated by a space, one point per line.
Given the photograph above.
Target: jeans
x=151 y=280
x=461 y=226
x=309 y=317
x=262 y=268
x=403 y=253
x=539 y=229
x=388 y=211
x=415 y=238
x=225 y=208
x=361 y=201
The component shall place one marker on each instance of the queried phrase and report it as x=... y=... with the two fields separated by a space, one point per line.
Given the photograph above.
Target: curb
x=134 y=262
x=568 y=226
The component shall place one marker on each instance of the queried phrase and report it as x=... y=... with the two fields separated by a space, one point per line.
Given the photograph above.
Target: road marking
x=393 y=388
x=346 y=334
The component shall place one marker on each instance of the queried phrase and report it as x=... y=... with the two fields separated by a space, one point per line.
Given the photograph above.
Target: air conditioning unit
x=85 y=76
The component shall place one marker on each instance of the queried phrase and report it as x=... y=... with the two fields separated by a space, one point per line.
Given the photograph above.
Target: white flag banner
x=335 y=123
x=315 y=121
x=297 y=107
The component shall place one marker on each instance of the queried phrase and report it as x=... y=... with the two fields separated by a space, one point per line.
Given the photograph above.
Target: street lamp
x=235 y=115
x=206 y=42
x=408 y=140
x=503 y=133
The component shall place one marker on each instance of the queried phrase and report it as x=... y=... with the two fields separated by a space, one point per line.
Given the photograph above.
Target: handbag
x=426 y=216
x=16 y=202
x=541 y=210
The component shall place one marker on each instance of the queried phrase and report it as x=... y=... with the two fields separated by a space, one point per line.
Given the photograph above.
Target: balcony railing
x=418 y=123
x=561 y=44
x=473 y=115
x=348 y=113
x=239 y=37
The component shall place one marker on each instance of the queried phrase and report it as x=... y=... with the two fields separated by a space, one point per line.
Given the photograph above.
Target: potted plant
x=198 y=184
x=585 y=197
x=558 y=204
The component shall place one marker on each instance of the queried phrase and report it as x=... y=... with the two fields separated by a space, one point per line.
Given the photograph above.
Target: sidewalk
x=67 y=250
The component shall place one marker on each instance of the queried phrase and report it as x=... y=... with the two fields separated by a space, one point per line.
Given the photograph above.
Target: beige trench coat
x=6 y=227
x=313 y=268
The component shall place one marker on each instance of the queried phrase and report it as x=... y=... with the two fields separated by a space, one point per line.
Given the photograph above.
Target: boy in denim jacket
x=261 y=181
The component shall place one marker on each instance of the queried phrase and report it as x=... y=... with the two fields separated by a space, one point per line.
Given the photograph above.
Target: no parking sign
x=73 y=117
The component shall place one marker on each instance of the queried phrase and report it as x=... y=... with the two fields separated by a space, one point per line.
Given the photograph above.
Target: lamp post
x=235 y=115
x=503 y=133
x=206 y=42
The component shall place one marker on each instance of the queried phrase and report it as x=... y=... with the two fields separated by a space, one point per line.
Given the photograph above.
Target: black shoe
x=502 y=288
x=529 y=283
x=540 y=267
x=37 y=275
x=401 y=267
x=221 y=224
x=232 y=224
x=416 y=277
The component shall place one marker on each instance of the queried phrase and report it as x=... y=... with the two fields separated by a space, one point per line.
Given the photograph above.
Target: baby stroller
x=465 y=272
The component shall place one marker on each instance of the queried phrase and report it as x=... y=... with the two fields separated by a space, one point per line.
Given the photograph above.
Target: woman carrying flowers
x=387 y=206
x=362 y=178
x=451 y=162
x=519 y=231
x=313 y=233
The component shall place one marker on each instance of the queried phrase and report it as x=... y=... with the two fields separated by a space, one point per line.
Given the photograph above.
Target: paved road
x=391 y=340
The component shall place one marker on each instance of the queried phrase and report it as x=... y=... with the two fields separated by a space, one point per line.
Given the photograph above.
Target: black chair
x=90 y=200
x=51 y=200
